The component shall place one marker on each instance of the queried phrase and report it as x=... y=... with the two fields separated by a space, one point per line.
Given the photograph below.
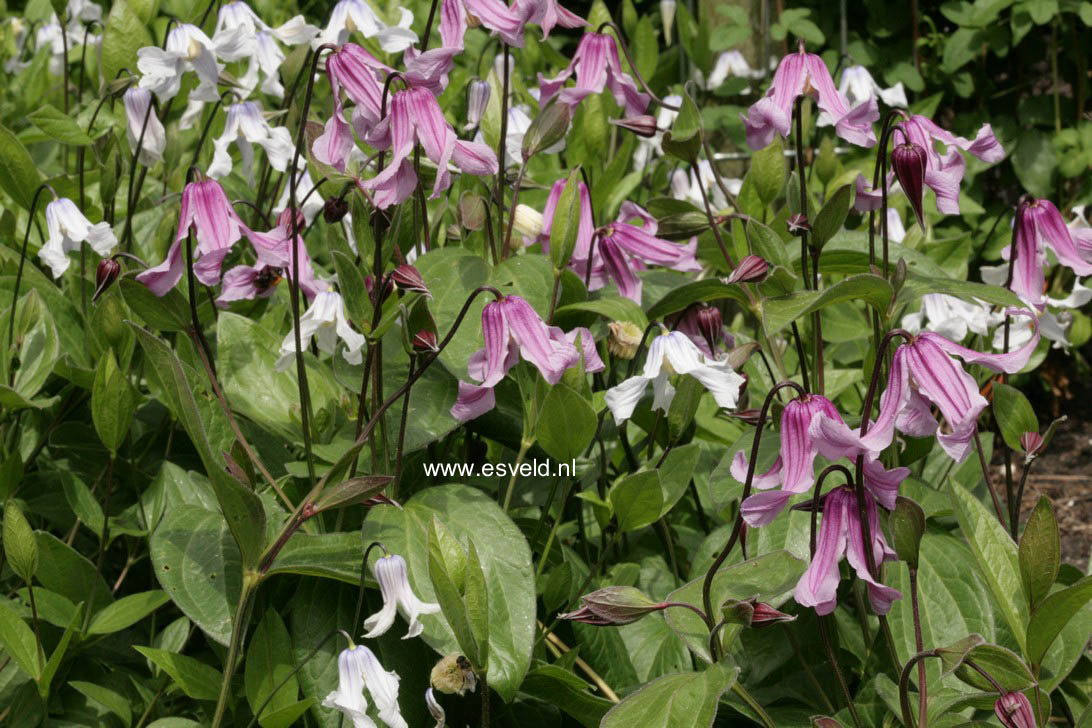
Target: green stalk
x=238 y=632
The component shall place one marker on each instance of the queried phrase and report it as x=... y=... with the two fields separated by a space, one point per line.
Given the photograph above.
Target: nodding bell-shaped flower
x=840 y=534
x=923 y=373
x=513 y=330
x=393 y=577
x=457 y=15
x=415 y=116
x=951 y=317
x=674 y=353
x=357 y=669
x=187 y=48
x=68 y=228
x=138 y=103
x=1014 y=711
x=800 y=74
x=1038 y=226
x=274 y=251
x=704 y=325
x=909 y=161
x=350 y=15
x=614 y=606
x=857 y=85
x=547 y=14
x=324 y=320
x=359 y=74
x=596 y=66
x=477 y=98
x=625 y=337
x=206 y=208
x=259 y=44
x=245 y=125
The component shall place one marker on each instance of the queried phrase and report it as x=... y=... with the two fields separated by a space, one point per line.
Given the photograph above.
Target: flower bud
x=424 y=342
x=765 y=615
x=682 y=225
x=824 y=721
x=477 y=98
x=107 y=272
x=798 y=225
x=335 y=209
x=369 y=285
x=710 y=325
x=528 y=221
x=667 y=15
x=1032 y=443
x=908 y=162
x=747 y=416
x=643 y=125
x=613 y=606
x=407 y=278
x=752 y=269
x=548 y=128
x=1014 y=711
x=471 y=211
x=625 y=337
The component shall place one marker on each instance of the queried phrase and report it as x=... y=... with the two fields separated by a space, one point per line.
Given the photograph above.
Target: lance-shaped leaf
x=1040 y=552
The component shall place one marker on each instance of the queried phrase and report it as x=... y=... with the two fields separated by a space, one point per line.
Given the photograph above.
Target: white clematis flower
x=858 y=86
x=68 y=228
x=259 y=44
x=951 y=317
x=350 y=15
x=78 y=14
x=688 y=184
x=391 y=573
x=674 y=353
x=245 y=125
x=312 y=203
x=358 y=669
x=138 y=103
x=325 y=320
x=187 y=49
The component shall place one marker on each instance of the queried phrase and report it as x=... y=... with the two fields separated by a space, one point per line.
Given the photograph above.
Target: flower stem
x=989 y=481
x=828 y=645
x=919 y=645
x=502 y=151
x=238 y=632
x=753 y=704
x=524 y=446
x=904 y=687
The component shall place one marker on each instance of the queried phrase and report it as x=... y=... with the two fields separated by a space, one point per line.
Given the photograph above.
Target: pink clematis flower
x=1014 y=711
x=624 y=248
x=206 y=208
x=490 y=14
x=416 y=116
x=359 y=74
x=596 y=66
x=274 y=260
x=513 y=330
x=547 y=14
x=799 y=74
x=924 y=373
x=1038 y=226
x=840 y=534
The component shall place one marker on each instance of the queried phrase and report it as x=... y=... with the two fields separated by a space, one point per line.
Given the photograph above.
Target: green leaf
x=447 y=570
x=919 y=286
x=38 y=346
x=684 y=405
x=566 y=223
x=358 y=305
x=830 y=219
x=286 y=716
x=105 y=697
x=61 y=569
x=1052 y=615
x=113 y=403
x=20 y=546
x=329 y=555
x=506 y=563
x=127 y=611
x=197 y=564
x=771 y=577
x=708 y=290
x=685 y=700
x=124 y=35
x=1039 y=552
x=240 y=506
x=451 y=274
x=612 y=308
x=780 y=312
x=18 y=642
x=907 y=527
x=268 y=663
x=162 y=313
x=195 y=679
x=768 y=171
x=476 y=597
x=637 y=500
x=19 y=175
x=1003 y=665
x=558 y=686
x=54 y=662
x=82 y=502
x=688 y=122
x=566 y=423
x=58 y=125
x=996 y=556
x=1014 y=414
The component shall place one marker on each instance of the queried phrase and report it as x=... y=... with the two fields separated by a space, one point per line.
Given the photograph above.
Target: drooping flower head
x=704 y=325
x=800 y=74
x=1014 y=711
x=68 y=229
x=416 y=117
x=546 y=14
x=359 y=74
x=623 y=247
x=596 y=65
x=674 y=353
x=350 y=15
x=494 y=15
x=1038 y=226
x=259 y=44
x=244 y=125
x=512 y=330
x=187 y=48
x=143 y=126
x=326 y=322
x=840 y=534
x=393 y=576
x=357 y=669
x=274 y=261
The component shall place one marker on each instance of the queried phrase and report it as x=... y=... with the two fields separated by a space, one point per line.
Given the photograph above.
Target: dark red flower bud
x=1032 y=442
x=335 y=209
x=798 y=225
x=752 y=269
x=614 y=605
x=765 y=615
x=369 y=284
x=908 y=162
x=408 y=278
x=710 y=325
x=424 y=342
x=1014 y=711
x=748 y=416
x=107 y=272
x=643 y=126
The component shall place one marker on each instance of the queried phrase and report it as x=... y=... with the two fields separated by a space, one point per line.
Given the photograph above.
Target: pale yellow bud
x=528 y=221
x=625 y=337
